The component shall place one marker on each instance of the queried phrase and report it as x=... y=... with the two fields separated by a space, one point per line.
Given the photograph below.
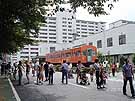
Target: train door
x=89 y=55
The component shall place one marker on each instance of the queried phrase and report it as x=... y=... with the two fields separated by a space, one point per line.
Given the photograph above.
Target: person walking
x=27 y=71
x=15 y=70
x=46 y=66
x=41 y=76
x=51 y=71
x=64 y=71
x=128 y=76
x=3 y=68
x=78 y=70
x=113 y=69
x=20 y=72
x=91 y=72
x=97 y=68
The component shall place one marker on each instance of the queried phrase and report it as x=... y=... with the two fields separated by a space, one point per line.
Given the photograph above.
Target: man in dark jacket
x=128 y=76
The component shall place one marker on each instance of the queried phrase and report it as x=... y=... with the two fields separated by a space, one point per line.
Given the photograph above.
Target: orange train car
x=86 y=54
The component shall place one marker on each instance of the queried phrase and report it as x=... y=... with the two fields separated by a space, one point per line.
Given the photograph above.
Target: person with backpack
x=97 y=69
x=128 y=76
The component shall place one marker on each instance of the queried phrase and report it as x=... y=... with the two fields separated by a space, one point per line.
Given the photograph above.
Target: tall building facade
x=61 y=28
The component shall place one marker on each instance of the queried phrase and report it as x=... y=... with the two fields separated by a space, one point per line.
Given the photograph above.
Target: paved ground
x=72 y=91
x=6 y=93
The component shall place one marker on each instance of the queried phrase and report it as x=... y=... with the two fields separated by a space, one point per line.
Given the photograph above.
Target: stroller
x=70 y=75
x=83 y=78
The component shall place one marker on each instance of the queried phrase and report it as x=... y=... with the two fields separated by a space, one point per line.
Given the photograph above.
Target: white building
x=118 y=40
x=63 y=28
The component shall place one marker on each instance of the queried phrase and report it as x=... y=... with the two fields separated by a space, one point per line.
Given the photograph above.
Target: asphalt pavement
x=72 y=91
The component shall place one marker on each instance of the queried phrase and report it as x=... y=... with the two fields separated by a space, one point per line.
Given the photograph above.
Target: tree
x=20 y=19
x=101 y=57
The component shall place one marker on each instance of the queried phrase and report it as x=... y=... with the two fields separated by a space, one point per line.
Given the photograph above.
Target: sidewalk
x=6 y=93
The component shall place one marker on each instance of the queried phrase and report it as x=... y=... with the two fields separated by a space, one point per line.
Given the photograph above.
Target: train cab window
x=89 y=52
x=93 y=53
x=84 y=53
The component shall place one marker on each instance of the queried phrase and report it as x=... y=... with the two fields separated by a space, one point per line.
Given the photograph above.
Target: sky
x=123 y=9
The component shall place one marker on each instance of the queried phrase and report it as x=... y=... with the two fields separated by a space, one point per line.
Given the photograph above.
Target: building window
x=122 y=39
x=52 y=22
x=64 y=37
x=52 y=37
x=90 y=43
x=24 y=52
x=43 y=37
x=34 y=52
x=109 y=42
x=52 y=18
x=24 y=57
x=83 y=35
x=70 y=30
x=64 y=29
x=64 y=22
x=69 y=26
x=91 y=29
x=25 y=48
x=52 y=49
x=43 y=29
x=83 y=29
x=52 y=26
x=77 y=25
x=83 y=25
x=64 y=33
x=52 y=33
x=69 y=37
x=64 y=25
x=52 y=41
x=64 y=18
x=91 y=26
x=64 y=41
x=52 y=29
x=84 y=22
x=69 y=22
x=34 y=48
x=99 y=44
x=43 y=33
x=70 y=34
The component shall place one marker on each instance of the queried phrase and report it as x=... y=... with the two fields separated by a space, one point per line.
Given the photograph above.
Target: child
x=104 y=78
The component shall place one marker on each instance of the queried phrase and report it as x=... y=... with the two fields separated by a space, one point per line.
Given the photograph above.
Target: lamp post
x=104 y=46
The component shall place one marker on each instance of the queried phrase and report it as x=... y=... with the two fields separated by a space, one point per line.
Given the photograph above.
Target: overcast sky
x=124 y=9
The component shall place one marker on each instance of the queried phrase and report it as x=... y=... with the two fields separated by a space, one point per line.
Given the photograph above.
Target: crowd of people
x=45 y=72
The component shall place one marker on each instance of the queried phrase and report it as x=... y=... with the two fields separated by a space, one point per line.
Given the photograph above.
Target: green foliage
x=57 y=68
x=133 y=58
x=95 y=7
x=122 y=58
x=100 y=57
x=20 y=19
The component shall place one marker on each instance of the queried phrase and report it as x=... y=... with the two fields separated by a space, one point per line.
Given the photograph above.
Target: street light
x=104 y=48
